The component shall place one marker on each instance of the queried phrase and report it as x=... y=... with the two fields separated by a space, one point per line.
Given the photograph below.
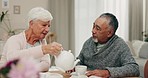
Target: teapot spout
x=76 y=62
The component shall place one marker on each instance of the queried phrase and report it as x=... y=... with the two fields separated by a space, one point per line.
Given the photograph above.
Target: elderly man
x=105 y=54
x=31 y=42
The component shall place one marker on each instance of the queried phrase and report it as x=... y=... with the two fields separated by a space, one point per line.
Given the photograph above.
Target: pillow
x=131 y=47
x=144 y=51
x=136 y=46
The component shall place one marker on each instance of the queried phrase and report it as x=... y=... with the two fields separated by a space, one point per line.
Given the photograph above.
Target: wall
x=19 y=20
x=135 y=19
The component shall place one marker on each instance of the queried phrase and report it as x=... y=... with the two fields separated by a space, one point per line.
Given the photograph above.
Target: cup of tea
x=80 y=69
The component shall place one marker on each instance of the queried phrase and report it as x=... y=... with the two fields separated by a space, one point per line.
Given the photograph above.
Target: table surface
x=67 y=75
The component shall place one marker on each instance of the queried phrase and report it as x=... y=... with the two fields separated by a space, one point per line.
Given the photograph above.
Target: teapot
x=65 y=60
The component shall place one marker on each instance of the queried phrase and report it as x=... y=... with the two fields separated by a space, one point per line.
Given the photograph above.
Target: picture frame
x=5 y=4
x=16 y=9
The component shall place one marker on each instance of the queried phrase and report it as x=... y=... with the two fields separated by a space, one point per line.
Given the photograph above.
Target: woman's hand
x=52 y=48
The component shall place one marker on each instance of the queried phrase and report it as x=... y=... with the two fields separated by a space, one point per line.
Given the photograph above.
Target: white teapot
x=65 y=60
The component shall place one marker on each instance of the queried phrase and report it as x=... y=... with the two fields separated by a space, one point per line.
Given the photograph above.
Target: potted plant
x=6 y=25
x=145 y=34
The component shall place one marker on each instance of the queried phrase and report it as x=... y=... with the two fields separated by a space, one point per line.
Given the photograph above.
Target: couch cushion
x=144 y=51
x=137 y=44
x=129 y=43
x=141 y=62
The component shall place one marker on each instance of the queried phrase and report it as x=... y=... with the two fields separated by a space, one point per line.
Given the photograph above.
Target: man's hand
x=52 y=48
x=100 y=73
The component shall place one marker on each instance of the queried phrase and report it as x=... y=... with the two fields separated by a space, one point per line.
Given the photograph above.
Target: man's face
x=101 y=30
x=40 y=28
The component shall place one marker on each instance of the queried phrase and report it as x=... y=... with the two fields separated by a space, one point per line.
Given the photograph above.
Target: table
x=67 y=75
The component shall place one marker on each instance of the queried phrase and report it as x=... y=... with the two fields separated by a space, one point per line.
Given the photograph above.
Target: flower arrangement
x=20 y=68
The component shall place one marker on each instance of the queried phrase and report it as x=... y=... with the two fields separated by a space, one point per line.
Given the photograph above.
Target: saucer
x=55 y=68
x=50 y=75
x=73 y=73
x=54 y=75
x=94 y=77
x=80 y=76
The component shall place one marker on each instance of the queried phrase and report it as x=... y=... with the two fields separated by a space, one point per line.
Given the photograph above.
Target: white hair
x=39 y=13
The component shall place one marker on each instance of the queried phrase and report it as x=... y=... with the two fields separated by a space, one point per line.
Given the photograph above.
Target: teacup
x=80 y=69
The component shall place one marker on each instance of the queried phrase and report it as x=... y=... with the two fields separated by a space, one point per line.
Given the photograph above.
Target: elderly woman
x=31 y=42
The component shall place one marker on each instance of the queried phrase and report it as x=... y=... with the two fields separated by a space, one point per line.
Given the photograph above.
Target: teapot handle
x=76 y=62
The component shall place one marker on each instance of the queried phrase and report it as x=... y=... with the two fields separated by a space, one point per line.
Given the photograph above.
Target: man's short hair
x=112 y=20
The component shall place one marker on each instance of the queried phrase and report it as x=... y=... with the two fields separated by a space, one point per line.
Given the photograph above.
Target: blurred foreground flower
x=20 y=68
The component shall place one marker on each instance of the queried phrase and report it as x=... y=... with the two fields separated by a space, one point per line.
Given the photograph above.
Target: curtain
x=135 y=19
x=120 y=9
x=62 y=24
x=145 y=16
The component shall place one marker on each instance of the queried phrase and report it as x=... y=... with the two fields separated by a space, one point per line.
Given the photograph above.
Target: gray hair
x=39 y=13
x=112 y=20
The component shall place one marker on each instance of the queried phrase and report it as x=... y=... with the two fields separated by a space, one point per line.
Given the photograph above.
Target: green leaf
x=3 y=15
x=6 y=12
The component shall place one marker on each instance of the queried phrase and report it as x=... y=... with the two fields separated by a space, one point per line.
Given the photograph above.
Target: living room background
x=73 y=18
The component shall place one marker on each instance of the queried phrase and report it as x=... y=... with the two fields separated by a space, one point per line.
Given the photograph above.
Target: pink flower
x=25 y=68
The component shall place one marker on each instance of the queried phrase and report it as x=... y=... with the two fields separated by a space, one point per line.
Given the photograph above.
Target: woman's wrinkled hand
x=52 y=48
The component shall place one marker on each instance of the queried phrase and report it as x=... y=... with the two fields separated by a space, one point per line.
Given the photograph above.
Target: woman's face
x=40 y=28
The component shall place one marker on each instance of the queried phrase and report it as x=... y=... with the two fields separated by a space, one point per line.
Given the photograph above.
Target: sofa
x=139 y=50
